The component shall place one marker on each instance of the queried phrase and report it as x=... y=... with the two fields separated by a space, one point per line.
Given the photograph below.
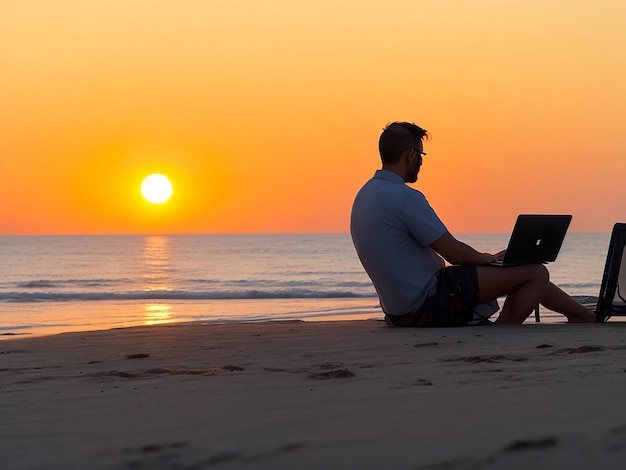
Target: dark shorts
x=452 y=304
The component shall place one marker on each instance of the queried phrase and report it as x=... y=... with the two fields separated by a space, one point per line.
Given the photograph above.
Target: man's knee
x=539 y=273
x=532 y=273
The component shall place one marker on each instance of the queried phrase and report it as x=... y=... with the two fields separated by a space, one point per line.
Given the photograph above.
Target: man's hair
x=398 y=137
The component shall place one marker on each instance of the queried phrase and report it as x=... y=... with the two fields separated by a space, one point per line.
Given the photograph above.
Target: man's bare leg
x=557 y=300
x=524 y=287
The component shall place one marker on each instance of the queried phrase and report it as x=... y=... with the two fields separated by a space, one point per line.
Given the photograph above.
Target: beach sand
x=312 y=395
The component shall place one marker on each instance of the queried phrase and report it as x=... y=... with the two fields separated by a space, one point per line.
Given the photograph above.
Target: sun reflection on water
x=157 y=277
x=157 y=314
x=156 y=256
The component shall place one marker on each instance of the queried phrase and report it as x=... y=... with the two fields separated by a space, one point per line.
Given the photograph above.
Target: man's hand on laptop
x=499 y=256
x=495 y=259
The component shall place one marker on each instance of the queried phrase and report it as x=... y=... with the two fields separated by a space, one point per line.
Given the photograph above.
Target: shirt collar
x=388 y=175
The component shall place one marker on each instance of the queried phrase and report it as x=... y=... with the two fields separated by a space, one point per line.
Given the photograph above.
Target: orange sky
x=266 y=114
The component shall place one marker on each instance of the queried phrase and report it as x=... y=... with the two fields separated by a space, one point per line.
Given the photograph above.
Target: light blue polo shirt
x=392 y=226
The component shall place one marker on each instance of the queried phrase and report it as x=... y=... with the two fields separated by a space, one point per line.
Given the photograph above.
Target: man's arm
x=456 y=252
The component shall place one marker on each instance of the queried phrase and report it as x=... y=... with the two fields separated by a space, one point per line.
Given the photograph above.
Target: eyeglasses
x=418 y=152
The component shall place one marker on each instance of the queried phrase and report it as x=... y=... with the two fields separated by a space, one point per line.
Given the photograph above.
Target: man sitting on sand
x=402 y=244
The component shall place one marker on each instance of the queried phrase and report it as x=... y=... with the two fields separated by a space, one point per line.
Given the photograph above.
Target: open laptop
x=535 y=239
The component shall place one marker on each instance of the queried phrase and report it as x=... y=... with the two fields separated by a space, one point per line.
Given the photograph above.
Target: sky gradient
x=265 y=115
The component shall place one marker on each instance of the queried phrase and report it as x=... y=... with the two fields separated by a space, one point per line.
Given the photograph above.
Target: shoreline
x=304 y=394
x=49 y=318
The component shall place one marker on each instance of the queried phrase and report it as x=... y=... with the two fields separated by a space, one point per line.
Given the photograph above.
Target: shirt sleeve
x=421 y=220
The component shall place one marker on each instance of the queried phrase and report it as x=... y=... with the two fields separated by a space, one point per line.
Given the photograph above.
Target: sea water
x=51 y=284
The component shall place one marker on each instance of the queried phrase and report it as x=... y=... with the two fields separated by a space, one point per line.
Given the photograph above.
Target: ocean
x=54 y=284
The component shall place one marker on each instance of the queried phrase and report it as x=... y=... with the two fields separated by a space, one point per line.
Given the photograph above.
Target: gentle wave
x=65 y=283
x=36 y=284
x=50 y=284
x=25 y=297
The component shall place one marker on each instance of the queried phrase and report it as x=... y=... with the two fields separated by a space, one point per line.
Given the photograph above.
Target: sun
x=156 y=188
